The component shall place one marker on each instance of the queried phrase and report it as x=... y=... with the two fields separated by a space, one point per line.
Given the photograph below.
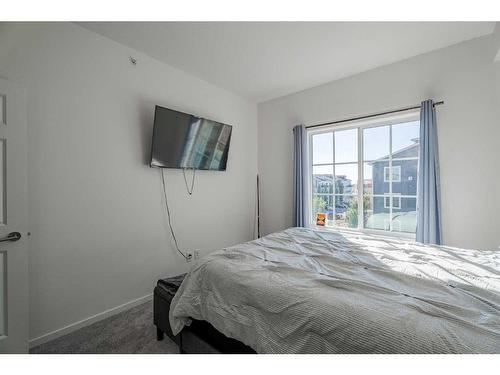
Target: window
x=396 y=174
x=372 y=165
x=396 y=200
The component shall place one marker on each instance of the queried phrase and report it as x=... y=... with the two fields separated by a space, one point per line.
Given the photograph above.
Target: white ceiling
x=261 y=61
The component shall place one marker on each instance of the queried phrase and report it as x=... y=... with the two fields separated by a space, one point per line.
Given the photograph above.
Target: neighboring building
x=323 y=184
x=404 y=180
x=344 y=185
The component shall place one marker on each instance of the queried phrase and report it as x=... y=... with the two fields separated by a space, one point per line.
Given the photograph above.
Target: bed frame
x=198 y=338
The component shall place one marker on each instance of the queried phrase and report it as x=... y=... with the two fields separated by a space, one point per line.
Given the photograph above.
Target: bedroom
x=393 y=142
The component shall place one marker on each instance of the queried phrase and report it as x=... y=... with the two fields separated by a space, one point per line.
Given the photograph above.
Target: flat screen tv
x=181 y=140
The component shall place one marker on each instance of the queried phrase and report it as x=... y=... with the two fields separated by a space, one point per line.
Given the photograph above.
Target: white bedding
x=319 y=291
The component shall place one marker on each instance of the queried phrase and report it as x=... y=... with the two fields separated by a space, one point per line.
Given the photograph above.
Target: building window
x=370 y=165
x=396 y=201
x=396 y=174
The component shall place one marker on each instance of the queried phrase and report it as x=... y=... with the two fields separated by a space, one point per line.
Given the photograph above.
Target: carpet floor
x=129 y=332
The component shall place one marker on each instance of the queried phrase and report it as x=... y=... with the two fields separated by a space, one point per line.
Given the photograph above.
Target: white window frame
x=394 y=167
x=394 y=222
x=360 y=125
x=394 y=195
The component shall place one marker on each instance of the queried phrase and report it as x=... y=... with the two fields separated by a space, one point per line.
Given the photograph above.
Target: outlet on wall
x=196 y=254
x=189 y=257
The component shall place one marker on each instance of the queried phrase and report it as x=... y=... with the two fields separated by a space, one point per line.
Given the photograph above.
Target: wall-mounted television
x=181 y=140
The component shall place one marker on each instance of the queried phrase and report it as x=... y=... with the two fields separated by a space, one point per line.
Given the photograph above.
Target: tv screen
x=181 y=140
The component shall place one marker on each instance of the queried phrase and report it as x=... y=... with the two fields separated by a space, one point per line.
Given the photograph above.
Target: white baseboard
x=85 y=322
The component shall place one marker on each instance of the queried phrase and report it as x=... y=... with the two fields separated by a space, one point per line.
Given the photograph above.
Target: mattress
x=324 y=291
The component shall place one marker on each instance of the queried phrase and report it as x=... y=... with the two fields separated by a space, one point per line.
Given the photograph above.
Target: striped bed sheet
x=329 y=291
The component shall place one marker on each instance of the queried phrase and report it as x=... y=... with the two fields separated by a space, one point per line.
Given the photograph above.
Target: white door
x=13 y=218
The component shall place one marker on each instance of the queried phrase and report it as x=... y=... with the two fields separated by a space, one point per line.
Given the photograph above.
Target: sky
x=376 y=145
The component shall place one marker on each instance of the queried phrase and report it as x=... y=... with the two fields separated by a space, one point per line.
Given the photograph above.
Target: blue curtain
x=300 y=210
x=428 y=191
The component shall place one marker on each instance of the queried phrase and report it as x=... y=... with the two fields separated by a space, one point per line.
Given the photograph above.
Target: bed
x=324 y=291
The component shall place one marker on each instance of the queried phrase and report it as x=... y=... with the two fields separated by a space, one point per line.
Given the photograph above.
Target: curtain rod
x=369 y=116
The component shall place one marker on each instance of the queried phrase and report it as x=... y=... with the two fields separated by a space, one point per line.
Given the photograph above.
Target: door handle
x=13 y=236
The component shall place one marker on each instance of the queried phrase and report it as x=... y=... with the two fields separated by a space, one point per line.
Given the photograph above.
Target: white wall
x=496 y=42
x=97 y=219
x=469 y=133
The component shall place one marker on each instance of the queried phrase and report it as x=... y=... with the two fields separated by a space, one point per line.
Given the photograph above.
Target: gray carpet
x=128 y=332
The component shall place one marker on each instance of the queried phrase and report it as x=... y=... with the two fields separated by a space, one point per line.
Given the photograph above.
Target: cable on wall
x=189 y=190
x=168 y=214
